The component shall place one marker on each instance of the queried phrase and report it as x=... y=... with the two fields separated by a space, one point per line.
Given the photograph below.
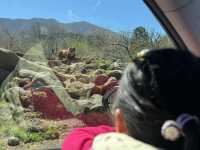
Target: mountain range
x=49 y=25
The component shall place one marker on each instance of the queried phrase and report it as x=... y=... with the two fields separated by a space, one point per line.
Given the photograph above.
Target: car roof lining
x=177 y=5
x=155 y=9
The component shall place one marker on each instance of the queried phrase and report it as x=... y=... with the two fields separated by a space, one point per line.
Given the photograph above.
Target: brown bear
x=67 y=55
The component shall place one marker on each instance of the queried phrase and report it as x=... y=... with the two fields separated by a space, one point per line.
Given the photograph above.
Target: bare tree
x=154 y=39
x=124 y=41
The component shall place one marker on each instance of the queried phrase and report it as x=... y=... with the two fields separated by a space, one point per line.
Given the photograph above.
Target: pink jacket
x=82 y=138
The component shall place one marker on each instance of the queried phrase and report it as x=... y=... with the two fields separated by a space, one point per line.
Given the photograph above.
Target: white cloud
x=98 y=3
x=95 y=3
x=71 y=16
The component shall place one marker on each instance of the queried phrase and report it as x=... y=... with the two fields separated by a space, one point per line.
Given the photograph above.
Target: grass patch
x=2 y=146
x=9 y=127
x=27 y=136
x=101 y=61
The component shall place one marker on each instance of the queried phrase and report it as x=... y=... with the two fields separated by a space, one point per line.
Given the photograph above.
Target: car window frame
x=166 y=24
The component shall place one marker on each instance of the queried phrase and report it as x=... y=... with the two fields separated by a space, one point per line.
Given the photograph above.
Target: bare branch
x=126 y=48
x=122 y=45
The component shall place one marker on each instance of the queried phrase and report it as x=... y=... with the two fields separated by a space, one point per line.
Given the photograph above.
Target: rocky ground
x=63 y=128
x=41 y=132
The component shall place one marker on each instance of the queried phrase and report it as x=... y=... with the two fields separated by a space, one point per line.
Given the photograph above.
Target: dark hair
x=158 y=86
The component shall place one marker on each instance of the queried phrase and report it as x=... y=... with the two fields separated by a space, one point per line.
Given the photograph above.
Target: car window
x=56 y=58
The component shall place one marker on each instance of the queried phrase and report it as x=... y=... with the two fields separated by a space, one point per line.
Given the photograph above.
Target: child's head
x=159 y=85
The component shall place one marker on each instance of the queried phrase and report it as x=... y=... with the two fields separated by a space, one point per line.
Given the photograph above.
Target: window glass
x=56 y=58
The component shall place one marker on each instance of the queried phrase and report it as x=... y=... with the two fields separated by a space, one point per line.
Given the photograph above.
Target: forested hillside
x=20 y=35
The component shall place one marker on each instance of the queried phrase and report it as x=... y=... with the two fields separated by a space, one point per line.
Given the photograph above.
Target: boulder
x=78 y=89
x=36 y=129
x=104 y=66
x=25 y=73
x=83 y=78
x=6 y=55
x=115 y=73
x=117 y=65
x=63 y=69
x=13 y=141
x=24 y=81
x=88 y=61
x=83 y=70
x=3 y=75
x=65 y=77
x=91 y=66
x=75 y=67
x=8 y=62
x=99 y=71
x=53 y=63
x=92 y=103
x=25 y=97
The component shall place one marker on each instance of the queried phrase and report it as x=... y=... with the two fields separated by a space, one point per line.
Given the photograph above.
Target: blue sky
x=118 y=15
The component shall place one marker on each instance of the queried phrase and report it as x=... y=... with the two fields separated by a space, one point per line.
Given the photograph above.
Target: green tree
x=140 y=39
x=148 y=39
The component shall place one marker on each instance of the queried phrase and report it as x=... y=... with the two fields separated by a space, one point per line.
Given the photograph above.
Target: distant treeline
x=100 y=43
